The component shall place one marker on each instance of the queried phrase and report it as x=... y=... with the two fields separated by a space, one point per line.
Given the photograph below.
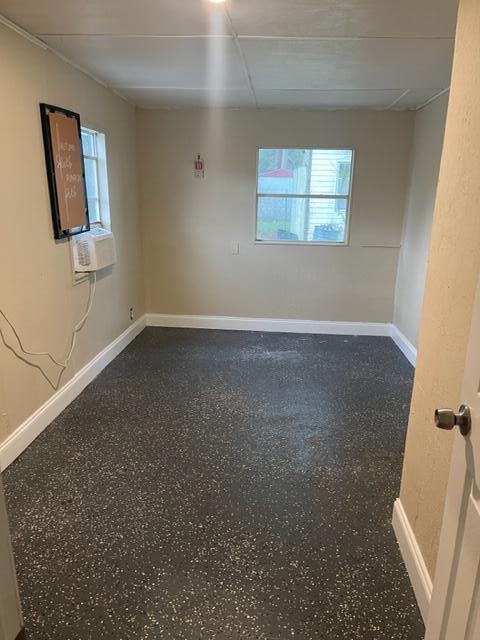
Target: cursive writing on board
x=63 y=162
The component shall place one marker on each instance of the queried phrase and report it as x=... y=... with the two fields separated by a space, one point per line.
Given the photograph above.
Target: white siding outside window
x=303 y=195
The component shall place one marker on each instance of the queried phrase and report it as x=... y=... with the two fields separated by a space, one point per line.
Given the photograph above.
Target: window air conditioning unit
x=93 y=250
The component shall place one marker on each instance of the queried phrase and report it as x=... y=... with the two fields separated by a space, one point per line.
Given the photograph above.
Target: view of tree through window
x=303 y=195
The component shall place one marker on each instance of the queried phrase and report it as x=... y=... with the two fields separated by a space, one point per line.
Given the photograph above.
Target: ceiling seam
x=314 y=38
x=397 y=100
x=242 y=56
x=153 y=36
x=342 y=90
x=235 y=35
x=432 y=99
x=284 y=90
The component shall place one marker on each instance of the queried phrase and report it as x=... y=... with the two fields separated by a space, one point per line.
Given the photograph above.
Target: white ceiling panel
x=348 y=64
x=309 y=54
x=116 y=17
x=156 y=62
x=189 y=98
x=326 y=99
x=345 y=18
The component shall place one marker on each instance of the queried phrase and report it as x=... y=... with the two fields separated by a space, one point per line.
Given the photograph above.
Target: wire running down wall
x=36 y=280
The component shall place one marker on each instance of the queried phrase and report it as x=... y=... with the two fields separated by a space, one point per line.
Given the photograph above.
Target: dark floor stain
x=220 y=485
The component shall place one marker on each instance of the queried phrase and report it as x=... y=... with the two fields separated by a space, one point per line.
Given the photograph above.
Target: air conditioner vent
x=83 y=253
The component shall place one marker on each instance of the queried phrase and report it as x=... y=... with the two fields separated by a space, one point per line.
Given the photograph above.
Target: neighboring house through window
x=303 y=195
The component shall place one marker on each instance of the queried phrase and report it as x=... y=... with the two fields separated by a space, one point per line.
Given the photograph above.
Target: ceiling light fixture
x=217 y=1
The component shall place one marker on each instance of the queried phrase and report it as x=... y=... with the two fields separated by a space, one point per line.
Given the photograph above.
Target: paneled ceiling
x=307 y=54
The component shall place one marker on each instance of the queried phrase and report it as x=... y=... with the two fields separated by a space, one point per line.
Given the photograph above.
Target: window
x=303 y=195
x=96 y=178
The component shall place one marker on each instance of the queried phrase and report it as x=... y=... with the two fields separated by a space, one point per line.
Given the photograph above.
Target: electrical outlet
x=131 y=313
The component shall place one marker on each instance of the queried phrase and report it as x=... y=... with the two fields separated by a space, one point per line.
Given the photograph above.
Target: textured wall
x=189 y=225
x=425 y=165
x=36 y=289
x=453 y=272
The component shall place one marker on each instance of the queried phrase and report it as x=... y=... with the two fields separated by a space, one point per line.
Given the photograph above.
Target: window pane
x=91 y=177
x=305 y=171
x=331 y=172
x=88 y=143
x=302 y=219
x=93 y=210
x=284 y=170
x=91 y=182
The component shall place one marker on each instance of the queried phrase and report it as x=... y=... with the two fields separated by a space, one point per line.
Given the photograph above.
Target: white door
x=10 y=614
x=455 y=608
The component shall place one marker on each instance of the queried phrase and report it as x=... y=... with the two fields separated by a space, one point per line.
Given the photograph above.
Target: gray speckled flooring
x=220 y=485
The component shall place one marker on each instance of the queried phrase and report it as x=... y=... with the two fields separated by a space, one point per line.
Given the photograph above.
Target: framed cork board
x=65 y=171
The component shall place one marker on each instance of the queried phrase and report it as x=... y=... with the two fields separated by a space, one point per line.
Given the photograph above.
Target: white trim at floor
x=413 y=559
x=269 y=325
x=26 y=433
x=405 y=346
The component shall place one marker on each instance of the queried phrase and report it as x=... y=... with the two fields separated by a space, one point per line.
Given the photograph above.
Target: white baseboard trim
x=405 y=346
x=269 y=325
x=413 y=559
x=26 y=433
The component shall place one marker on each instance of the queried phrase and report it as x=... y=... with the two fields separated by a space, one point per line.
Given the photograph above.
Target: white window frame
x=102 y=177
x=307 y=243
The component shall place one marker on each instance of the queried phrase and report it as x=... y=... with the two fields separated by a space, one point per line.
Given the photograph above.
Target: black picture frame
x=59 y=233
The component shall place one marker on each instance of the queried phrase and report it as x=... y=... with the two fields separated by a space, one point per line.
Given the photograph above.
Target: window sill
x=302 y=244
x=99 y=225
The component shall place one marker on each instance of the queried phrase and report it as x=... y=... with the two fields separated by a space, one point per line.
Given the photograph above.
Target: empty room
x=240 y=320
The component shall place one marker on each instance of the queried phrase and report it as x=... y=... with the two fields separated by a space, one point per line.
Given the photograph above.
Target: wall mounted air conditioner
x=93 y=250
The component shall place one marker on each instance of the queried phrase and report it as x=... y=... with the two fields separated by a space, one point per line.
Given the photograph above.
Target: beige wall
x=189 y=224
x=35 y=273
x=425 y=165
x=454 y=269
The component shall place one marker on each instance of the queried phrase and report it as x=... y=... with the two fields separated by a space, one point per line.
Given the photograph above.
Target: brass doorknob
x=448 y=419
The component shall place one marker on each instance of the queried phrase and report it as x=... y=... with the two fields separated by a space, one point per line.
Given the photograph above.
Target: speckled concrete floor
x=221 y=485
